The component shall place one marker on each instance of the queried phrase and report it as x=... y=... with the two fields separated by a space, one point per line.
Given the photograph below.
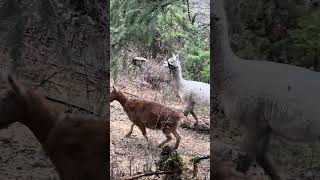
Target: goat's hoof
x=128 y=135
x=185 y=113
x=160 y=146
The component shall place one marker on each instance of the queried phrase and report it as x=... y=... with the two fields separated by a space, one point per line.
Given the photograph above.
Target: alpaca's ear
x=165 y=63
x=173 y=55
x=14 y=85
x=177 y=56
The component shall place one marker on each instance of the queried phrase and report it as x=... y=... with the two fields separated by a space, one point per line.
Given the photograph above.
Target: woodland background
x=284 y=31
x=60 y=48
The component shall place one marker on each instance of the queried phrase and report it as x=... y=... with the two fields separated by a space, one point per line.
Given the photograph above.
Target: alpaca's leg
x=169 y=137
x=175 y=133
x=188 y=108
x=249 y=146
x=194 y=115
x=264 y=160
x=130 y=131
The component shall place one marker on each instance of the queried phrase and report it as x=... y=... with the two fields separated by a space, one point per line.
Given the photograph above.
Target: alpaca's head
x=173 y=63
x=12 y=103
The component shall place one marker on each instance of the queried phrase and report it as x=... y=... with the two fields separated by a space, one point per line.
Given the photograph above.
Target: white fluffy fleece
x=189 y=91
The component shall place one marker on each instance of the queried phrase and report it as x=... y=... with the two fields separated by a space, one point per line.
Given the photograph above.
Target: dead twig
x=197 y=160
x=139 y=175
x=71 y=105
x=198 y=128
x=47 y=79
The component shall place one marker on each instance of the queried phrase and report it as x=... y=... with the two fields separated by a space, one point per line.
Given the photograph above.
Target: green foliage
x=144 y=23
x=280 y=31
x=197 y=60
x=160 y=27
x=307 y=36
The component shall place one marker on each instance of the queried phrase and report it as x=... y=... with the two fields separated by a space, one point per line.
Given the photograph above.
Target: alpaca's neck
x=222 y=52
x=40 y=120
x=177 y=77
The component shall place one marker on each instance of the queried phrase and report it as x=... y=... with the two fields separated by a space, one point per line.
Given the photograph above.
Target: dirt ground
x=21 y=157
x=294 y=161
x=131 y=155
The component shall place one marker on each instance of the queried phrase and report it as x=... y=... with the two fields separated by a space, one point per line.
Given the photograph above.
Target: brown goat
x=76 y=144
x=149 y=114
x=225 y=170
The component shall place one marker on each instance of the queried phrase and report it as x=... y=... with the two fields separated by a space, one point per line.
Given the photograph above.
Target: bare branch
x=71 y=105
x=139 y=175
x=197 y=160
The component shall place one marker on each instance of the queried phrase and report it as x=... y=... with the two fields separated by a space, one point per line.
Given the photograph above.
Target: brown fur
x=76 y=144
x=149 y=114
x=225 y=170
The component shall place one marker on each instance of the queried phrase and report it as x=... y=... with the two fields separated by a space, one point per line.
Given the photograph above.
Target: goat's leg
x=144 y=133
x=130 y=131
x=169 y=137
x=264 y=160
x=249 y=146
x=175 y=133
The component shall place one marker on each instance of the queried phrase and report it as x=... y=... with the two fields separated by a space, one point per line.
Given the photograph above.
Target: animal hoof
x=128 y=135
x=185 y=113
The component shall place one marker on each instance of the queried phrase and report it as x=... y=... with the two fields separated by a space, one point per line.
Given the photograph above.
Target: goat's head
x=173 y=62
x=13 y=103
x=115 y=94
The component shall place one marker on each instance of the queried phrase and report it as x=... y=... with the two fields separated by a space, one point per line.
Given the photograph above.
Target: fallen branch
x=197 y=160
x=71 y=105
x=139 y=175
x=46 y=79
x=198 y=128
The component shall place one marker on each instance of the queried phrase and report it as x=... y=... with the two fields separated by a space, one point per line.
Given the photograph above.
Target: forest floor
x=129 y=156
x=294 y=161
x=21 y=156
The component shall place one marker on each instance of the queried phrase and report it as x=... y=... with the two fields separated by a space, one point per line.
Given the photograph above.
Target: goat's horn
x=13 y=84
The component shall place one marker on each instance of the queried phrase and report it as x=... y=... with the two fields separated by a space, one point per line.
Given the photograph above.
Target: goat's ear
x=14 y=85
x=114 y=88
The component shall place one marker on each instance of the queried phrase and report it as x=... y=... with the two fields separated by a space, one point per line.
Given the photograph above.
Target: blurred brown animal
x=76 y=144
x=225 y=170
x=149 y=114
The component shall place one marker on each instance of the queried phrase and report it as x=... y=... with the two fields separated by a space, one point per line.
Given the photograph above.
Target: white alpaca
x=190 y=92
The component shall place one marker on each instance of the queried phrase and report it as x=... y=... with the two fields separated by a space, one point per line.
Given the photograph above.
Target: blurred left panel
x=54 y=86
